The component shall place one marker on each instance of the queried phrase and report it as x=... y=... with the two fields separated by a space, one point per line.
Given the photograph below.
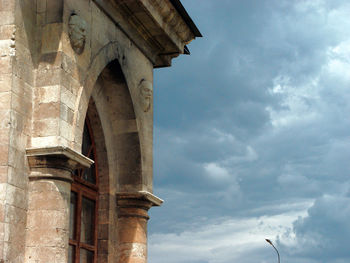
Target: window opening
x=83 y=206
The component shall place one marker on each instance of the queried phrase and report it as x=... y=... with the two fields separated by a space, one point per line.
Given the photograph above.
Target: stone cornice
x=172 y=22
x=140 y=195
x=60 y=152
x=136 y=204
x=45 y=162
x=155 y=27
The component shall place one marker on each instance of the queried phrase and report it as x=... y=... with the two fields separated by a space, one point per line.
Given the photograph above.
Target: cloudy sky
x=252 y=136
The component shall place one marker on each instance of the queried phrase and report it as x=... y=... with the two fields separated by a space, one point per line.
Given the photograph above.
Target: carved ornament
x=77 y=33
x=146 y=92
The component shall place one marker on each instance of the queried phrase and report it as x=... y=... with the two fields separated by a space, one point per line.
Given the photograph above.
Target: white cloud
x=249 y=155
x=298 y=102
x=312 y=6
x=338 y=65
x=222 y=240
x=214 y=171
x=304 y=102
x=222 y=136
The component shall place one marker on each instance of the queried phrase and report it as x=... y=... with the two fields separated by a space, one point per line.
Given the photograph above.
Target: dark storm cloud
x=324 y=233
x=219 y=74
x=254 y=123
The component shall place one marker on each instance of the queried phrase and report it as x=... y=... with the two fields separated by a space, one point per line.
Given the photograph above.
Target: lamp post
x=278 y=254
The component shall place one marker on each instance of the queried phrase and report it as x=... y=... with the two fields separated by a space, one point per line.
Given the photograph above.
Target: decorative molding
x=57 y=158
x=173 y=20
x=154 y=26
x=146 y=94
x=60 y=151
x=140 y=195
x=77 y=33
x=136 y=204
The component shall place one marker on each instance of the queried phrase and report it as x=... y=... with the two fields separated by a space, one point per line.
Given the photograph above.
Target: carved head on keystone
x=146 y=92
x=77 y=33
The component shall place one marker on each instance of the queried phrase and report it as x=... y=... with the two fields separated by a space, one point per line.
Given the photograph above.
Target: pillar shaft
x=48 y=203
x=48 y=219
x=132 y=225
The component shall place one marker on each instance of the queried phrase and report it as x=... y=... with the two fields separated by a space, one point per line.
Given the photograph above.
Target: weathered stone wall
x=45 y=88
x=17 y=25
x=61 y=60
x=65 y=80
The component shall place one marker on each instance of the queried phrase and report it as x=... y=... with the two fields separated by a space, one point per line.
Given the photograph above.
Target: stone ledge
x=140 y=195
x=60 y=152
x=55 y=163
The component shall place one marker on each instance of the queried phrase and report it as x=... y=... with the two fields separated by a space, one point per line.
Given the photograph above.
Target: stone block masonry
x=64 y=64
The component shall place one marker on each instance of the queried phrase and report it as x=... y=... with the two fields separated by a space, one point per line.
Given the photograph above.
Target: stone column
x=50 y=181
x=132 y=225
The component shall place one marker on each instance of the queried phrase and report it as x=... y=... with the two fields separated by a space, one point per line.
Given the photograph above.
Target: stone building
x=76 y=125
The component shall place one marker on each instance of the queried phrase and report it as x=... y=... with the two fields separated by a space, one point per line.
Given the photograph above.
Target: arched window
x=83 y=206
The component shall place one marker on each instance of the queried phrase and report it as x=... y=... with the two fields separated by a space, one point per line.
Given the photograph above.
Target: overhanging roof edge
x=185 y=16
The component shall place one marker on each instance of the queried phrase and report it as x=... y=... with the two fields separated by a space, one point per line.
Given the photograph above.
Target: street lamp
x=278 y=254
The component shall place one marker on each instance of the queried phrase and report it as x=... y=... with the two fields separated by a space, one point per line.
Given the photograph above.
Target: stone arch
x=110 y=100
x=105 y=82
x=100 y=60
x=113 y=99
x=112 y=117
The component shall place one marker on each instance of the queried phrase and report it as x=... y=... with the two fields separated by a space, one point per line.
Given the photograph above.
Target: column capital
x=136 y=204
x=140 y=196
x=55 y=158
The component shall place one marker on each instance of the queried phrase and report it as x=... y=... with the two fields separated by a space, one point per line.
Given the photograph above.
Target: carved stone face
x=77 y=33
x=146 y=92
